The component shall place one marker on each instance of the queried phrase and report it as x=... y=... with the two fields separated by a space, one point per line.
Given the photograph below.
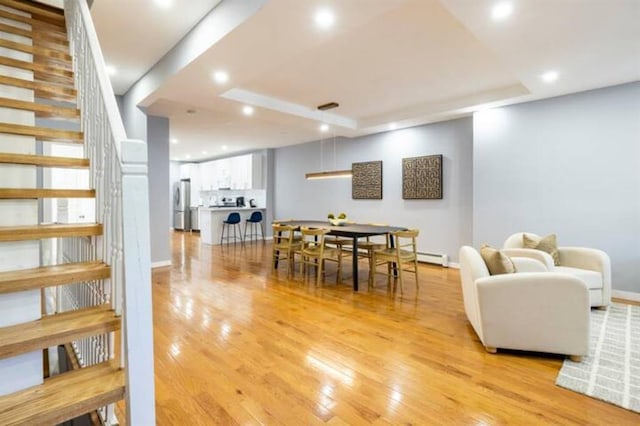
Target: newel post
x=137 y=306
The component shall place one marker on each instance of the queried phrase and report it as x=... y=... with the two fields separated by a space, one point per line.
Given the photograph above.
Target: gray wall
x=155 y=131
x=134 y=118
x=269 y=184
x=568 y=165
x=444 y=224
x=159 y=200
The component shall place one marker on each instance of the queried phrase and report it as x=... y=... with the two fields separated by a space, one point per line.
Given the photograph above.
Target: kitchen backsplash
x=214 y=197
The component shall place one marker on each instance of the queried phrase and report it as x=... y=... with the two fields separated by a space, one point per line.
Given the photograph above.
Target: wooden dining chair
x=285 y=244
x=343 y=244
x=314 y=253
x=403 y=257
x=369 y=244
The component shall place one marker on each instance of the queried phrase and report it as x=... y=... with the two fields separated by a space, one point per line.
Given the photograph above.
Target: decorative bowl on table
x=338 y=220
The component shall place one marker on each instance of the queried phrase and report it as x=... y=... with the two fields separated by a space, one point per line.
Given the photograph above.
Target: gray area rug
x=611 y=372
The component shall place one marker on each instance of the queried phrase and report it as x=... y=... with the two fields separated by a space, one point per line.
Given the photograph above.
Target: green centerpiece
x=337 y=221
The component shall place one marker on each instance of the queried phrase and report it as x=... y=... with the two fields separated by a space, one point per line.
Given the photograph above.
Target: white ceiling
x=403 y=61
x=135 y=34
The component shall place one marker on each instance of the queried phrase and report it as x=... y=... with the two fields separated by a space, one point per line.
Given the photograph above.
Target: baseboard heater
x=433 y=258
x=436 y=259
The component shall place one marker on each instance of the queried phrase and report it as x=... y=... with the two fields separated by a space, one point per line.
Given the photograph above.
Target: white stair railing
x=118 y=173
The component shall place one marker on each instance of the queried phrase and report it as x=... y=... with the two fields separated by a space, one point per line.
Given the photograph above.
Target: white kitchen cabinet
x=256 y=172
x=223 y=172
x=246 y=172
x=241 y=172
x=191 y=171
x=185 y=170
x=208 y=179
x=215 y=174
x=196 y=184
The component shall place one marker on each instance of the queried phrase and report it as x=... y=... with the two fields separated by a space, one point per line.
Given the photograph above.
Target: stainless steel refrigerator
x=181 y=205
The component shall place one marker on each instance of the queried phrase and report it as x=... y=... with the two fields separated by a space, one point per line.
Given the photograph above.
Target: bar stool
x=233 y=220
x=253 y=221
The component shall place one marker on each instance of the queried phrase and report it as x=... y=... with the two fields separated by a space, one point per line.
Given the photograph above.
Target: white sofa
x=591 y=265
x=532 y=311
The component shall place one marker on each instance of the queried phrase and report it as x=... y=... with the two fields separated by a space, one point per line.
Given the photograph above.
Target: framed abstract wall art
x=422 y=178
x=366 y=182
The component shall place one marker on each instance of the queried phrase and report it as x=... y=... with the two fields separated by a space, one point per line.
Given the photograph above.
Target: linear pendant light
x=328 y=174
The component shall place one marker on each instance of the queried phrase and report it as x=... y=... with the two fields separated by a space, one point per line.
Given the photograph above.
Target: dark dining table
x=351 y=230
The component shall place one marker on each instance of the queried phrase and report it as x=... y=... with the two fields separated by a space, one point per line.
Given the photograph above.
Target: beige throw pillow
x=497 y=262
x=547 y=244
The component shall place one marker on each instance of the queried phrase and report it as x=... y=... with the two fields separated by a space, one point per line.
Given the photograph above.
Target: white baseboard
x=453 y=265
x=160 y=264
x=627 y=295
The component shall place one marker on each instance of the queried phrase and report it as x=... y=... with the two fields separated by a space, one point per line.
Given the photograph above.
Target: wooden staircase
x=68 y=395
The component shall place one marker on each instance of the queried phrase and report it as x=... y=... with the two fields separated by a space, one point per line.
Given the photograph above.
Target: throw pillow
x=497 y=262
x=547 y=244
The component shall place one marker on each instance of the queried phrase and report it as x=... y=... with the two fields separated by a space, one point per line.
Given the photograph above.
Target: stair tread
x=46 y=77
x=37 y=85
x=35 y=50
x=47 y=276
x=42 y=133
x=46 y=70
x=44 y=160
x=68 y=93
x=57 y=41
x=55 y=230
x=28 y=193
x=52 y=330
x=64 y=396
x=37 y=11
x=50 y=27
x=6 y=28
x=39 y=108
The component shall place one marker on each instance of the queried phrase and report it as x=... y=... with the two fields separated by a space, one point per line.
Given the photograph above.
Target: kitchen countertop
x=226 y=209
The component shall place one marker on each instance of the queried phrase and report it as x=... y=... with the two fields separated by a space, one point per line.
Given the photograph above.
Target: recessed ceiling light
x=549 y=76
x=393 y=126
x=112 y=70
x=204 y=152
x=165 y=4
x=324 y=18
x=502 y=10
x=324 y=127
x=247 y=110
x=187 y=156
x=174 y=141
x=224 y=147
x=220 y=77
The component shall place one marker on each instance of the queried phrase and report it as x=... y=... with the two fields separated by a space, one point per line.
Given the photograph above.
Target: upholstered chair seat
x=590 y=265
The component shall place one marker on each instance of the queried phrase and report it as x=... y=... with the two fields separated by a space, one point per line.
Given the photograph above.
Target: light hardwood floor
x=237 y=344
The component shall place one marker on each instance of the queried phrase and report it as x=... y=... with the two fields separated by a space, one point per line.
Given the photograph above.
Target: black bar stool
x=233 y=220
x=252 y=222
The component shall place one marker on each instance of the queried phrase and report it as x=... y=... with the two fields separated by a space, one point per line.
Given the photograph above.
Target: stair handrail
x=119 y=175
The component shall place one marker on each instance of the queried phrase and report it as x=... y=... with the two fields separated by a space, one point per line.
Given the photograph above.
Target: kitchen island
x=211 y=221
